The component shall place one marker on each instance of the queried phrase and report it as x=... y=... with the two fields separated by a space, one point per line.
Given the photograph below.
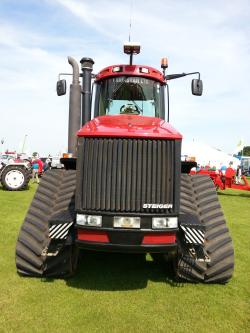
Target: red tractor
x=223 y=181
x=124 y=188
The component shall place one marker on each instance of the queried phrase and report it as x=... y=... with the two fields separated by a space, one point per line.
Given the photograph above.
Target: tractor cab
x=129 y=90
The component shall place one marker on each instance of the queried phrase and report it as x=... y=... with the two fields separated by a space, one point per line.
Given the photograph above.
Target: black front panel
x=121 y=175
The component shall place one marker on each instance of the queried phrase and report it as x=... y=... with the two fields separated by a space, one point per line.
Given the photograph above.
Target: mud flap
x=191 y=238
x=61 y=232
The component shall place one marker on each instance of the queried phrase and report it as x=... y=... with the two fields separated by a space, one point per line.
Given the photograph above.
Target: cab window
x=129 y=95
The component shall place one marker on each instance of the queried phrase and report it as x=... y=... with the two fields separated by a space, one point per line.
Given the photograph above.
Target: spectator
x=238 y=175
x=35 y=171
x=48 y=162
x=45 y=166
x=223 y=169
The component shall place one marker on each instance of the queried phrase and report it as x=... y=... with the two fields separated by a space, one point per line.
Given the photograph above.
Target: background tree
x=246 y=151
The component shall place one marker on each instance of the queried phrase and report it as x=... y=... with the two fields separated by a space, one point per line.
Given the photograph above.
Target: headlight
x=164 y=222
x=89 y=220
x=127 y=222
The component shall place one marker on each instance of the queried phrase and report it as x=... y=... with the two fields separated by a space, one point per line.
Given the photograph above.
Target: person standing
x=48 y=162
x=40 y=166
x=35 y=171
x=223 y=169
x=238 y=175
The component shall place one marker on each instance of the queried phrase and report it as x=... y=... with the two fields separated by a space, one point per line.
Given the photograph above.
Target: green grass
x=118 y=293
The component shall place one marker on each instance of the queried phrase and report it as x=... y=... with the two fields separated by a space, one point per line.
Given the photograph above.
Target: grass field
x=117 y=293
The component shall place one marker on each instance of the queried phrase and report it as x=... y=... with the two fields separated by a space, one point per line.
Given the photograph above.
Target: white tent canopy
x=206 y=155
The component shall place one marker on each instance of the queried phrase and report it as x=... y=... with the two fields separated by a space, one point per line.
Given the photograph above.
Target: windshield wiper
x=119 y=86
x=139 y=109
x=110 y=99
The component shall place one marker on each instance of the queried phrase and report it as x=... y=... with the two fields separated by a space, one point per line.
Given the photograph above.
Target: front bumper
x=126 y=241
x=121 y=248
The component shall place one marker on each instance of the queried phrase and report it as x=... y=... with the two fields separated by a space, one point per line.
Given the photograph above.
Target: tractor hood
x=129 y=126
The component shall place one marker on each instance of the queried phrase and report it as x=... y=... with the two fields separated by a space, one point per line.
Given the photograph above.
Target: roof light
x=164 y=63
x=132 y=48
x=117 y=69
x=144 y=70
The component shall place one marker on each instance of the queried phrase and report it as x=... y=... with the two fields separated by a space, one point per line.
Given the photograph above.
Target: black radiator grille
x=120 y=175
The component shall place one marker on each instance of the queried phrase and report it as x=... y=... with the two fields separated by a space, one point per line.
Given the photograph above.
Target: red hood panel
x=129 y=126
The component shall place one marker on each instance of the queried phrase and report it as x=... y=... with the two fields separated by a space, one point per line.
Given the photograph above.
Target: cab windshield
x=130 y=95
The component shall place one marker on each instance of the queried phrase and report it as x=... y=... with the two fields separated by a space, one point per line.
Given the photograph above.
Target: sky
x=212 y=37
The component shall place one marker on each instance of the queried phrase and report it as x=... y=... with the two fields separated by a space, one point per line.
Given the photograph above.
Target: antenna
x=129 y=47
x=130 y=19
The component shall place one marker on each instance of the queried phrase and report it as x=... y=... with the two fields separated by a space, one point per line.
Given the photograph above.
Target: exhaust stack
x=87 y=67
x=74 y=108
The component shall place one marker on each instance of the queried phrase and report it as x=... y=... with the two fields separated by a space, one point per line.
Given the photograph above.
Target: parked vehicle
x=245 y=165
x=56 y=163
x=14 y=173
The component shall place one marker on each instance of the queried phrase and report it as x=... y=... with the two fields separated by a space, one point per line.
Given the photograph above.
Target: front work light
x=89 y=220
x=164 y=222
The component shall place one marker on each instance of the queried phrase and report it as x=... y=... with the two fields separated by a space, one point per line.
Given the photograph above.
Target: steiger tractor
x=123 y=187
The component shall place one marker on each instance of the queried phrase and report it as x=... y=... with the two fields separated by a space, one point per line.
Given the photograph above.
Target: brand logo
x=155 y=206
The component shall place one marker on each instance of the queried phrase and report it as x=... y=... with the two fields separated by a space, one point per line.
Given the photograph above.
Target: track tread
x=198 y=193
x=54 y=193
x=25 y=253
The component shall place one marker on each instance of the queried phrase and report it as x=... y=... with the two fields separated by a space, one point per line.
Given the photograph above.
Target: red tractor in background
x=224 y=181
x=124 y=188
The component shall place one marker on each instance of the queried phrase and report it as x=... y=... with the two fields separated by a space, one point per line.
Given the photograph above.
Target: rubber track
x=198 y=196
x=54 y=193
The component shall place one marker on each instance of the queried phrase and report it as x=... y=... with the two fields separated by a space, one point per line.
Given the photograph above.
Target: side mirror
x=61 y=87
x=197 y=87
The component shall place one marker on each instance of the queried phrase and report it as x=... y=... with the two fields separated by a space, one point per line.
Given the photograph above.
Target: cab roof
x=131 y=70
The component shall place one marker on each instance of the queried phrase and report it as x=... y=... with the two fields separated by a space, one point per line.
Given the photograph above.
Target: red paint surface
x=92 y=236
x=242 y=187
x=156 y=238
x=230 y=173
x=129 y=126
x=133 y=70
